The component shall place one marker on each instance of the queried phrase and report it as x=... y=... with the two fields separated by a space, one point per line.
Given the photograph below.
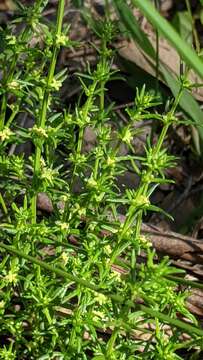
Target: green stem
x=189 y=344
x=3 y=111
x=12 y=116
x=8 y=77
x=195 y=33
x=126 y=265
x=143 y=188
x=4 y=207
x=86 y=108
x=102 y=96
x=180 y=280
x=111 y=342
x=43 y=114
x=193 y=284
x=119 y=299
x=78 y=151
x=161 y=139
x=48 y=267
x=175 y=322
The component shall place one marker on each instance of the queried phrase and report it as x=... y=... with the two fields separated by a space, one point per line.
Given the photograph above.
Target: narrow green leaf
x=153 y=313
x=185 y=51
x=132 y=25
x=187 y=102
x=157 y=209
x=183 y=25
x=109 y=228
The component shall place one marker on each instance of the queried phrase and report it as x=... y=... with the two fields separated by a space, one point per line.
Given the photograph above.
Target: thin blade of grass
x=161 y=24
x=132 y=25
x=187 y=102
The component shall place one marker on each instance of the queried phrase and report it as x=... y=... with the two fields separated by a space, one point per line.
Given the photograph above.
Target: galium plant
x=70 y=283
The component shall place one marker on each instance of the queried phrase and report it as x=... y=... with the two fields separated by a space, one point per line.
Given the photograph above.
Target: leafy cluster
x=70 y=284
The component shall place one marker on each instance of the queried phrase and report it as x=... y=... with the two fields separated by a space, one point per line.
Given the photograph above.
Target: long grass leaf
x=165 y=28
x=132 y=25
x=187 y=102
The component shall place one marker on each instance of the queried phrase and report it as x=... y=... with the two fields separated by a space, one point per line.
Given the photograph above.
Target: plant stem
x=156 y=3
x=111 y=342
x=126 y=265
x=143 y=187
x=195 y=33
x=165 y=318
x=3 y=111
x=4 y=207
x=8 y=76
x=43 y=114
x=12 y=116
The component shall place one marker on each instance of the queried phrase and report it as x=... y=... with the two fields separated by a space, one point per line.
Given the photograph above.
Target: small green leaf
x=109 y=228
x=157 y=209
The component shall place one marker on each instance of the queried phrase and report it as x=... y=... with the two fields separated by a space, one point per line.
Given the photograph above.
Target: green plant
x=60 y=294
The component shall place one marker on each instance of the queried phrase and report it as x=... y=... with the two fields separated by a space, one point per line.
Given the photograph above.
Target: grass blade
x=131 y=24
x=184 y=50
x=187 y=102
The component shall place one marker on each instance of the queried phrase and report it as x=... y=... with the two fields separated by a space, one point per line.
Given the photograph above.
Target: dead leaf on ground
x=7 y=5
